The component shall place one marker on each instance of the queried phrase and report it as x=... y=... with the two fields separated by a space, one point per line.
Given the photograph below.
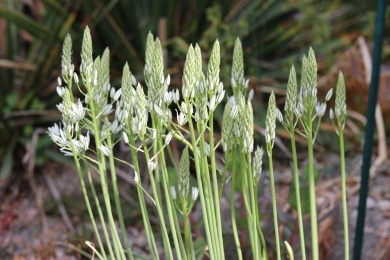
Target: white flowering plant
x=104 y=116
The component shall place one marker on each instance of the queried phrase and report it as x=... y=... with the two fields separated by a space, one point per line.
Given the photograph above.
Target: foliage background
x=274 y=34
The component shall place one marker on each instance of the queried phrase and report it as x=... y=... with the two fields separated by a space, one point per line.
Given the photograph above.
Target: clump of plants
x=140 y=116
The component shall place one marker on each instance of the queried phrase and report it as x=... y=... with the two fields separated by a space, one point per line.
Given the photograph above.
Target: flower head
x=270 y=122
x=184 y=174
x=257 y=163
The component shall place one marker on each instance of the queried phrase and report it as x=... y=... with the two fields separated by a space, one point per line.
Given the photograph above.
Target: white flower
x=115 y=127
x=167 y=80
x=314 y=92
x=320 y=109
x=212 y=103
x=233 y=82
x=181 y=118
x=60 y=90
x=77 y=111
x=133 y=80
x=331 y=115
x=183 y=107
x=168 y=138
x=105 y=150
x=106 y=110
x=84 y=141
x=136 y=177
x=159 y=111
x=279 y=115
x=246 y=84
x=251 y=94
x=151 y=165
x=194 y=193
x=58 y=136
x=154 y=133
x=125 y=137
x=173 y=192
x=329 y=94
x=76 y=78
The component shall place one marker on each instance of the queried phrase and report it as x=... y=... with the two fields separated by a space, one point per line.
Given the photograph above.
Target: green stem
x=103 y=176
x=312 y=192
x=228 y=157
x=273 y=195
x=89 y=209
x=187 y=229
x=297 y=191
x=116 y=196
x=167 y=244
x=168 y=199
x=255 y=214
x=344 y=194
x=199 y=181
x=141 y=197
x=262 y=240
x=246 y=193
x=233 y=209
x=209 y=194
x=215 y=182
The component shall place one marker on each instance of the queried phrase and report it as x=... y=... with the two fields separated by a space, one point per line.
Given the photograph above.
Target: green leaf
x=306 y=173
x=305 y=198
x=24 y=22
x=200 y=247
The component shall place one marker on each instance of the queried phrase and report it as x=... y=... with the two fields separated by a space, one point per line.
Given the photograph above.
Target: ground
x=44 y=225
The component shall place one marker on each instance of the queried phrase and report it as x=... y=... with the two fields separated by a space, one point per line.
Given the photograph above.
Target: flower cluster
x=237 y=121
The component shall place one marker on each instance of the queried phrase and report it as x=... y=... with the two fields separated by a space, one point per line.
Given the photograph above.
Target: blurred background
x=274 y=35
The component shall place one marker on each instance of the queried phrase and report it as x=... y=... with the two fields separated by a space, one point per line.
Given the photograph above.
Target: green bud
x=257 y=163
x=247 y=137
x=66 y=58
x=237 y=68
x=149 y=56
x=227 y=127
x=340 y=102
x=184 y=174
x=312 y=69
x=291 y=96
x=213 y=67
x=189 y=76
x=270 y=121
x=86 y=57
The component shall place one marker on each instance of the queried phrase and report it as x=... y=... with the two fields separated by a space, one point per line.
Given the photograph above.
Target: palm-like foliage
x=274 y=34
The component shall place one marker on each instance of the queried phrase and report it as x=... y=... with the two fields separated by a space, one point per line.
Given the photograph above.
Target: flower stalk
x=106 y=116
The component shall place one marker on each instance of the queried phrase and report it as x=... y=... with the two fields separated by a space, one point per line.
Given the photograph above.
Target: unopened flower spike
x=213 y=67
x=66 y=59
x=312 y=69
x=157 y=88
x=127 y=96
x=140 y=117
x=340 y=102
x=184 y=173
x=227 y=127
x=149 y=56
x=291 y=95
x=258 y=163
x=86 y=57
x=270 y=122
x=247 y=137
x=189 y=76
x=104 y=72
x=237 y=68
